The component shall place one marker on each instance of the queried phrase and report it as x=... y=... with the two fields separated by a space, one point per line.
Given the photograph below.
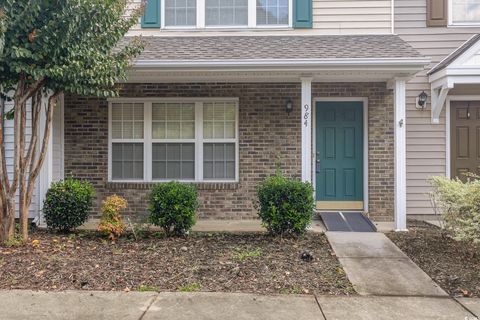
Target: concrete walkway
x=213 y=225
x=376 y=266
x=80 y=305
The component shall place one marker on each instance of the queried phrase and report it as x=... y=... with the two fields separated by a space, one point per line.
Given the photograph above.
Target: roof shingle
x=204 y=48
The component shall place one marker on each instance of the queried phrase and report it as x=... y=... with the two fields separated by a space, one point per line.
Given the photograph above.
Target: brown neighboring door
x=465 y=138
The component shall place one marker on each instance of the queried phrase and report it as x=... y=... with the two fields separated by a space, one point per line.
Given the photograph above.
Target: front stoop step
x=347 y=221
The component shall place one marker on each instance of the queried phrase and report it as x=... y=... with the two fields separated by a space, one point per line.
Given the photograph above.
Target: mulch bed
x=254 y=263
x=454 y=265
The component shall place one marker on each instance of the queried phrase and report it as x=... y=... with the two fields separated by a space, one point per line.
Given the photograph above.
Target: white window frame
x=111 y=141
x=252 y=19
x=451 y=23
x=148 y=140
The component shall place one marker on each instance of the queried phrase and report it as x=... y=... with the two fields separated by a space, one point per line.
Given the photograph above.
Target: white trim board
x=364 y=100
x=448 y=133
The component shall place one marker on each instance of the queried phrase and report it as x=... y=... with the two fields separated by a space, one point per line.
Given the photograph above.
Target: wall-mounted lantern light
x=422 y=101
x=289 y=106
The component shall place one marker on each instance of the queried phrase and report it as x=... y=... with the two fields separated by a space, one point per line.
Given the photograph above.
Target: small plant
x=15 y=241
x=139 y=230
x=111 y=223
x=67 y=204
x=285 y=205
x=459 y=204
x=191 y=287
x=147 y=288
x=244 y=255
x=172 y=206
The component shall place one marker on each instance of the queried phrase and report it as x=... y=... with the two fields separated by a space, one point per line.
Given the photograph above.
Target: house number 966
x=306 y=114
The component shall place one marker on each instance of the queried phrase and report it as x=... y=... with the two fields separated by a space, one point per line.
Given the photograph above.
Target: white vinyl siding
x=426 y=142
x=9 y=150
x=352 y=16
x=186 y=140
x=329 y=17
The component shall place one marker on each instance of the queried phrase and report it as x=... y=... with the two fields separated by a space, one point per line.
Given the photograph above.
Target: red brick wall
x=267 y=135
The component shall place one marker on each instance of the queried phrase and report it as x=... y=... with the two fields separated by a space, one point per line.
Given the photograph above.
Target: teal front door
x=339 y=155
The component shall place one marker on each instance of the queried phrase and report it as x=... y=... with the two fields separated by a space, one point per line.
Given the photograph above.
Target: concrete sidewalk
x=80 y=305
x=376 y=266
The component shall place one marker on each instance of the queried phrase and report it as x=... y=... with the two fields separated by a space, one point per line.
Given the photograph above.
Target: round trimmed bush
x=285 y=205
x=172 y=206
x=67 y=204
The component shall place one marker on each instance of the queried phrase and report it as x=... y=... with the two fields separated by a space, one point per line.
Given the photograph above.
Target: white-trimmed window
x=169 y=139
x=272 y=12
x=226 y=12
x=464 y=12
x=219 y=134
x=180 y=13
x=127 y=134
x=183 y=14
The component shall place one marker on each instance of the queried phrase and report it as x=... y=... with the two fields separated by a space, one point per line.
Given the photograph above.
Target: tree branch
x=34 y=87
x=36 y=108
x=52 y=101
x=19 y=93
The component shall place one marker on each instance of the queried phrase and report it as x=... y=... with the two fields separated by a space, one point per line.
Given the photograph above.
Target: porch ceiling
x=341 y=58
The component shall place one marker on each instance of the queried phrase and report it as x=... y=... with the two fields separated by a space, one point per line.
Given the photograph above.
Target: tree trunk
x=34 y=164
x=24 y=206
x=7 y=228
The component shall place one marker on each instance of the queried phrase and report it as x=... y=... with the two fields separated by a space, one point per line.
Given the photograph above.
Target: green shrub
x=172 y=206
x=67 y=204
x=285 y=205
x=459 y=204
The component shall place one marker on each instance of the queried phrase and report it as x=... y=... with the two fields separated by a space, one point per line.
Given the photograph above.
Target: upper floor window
x=225 y=13
x=464 y=12
x=272 y=12
x=180 y=13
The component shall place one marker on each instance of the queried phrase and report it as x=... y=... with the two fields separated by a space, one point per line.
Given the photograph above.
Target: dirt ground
x=251 y=262
x=454 y=265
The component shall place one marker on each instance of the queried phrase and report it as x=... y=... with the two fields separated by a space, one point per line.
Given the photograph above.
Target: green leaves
x=285 y=205
x=172 y=206
x=73 y=44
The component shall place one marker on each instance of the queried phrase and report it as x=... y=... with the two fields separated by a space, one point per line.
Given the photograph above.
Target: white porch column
x=46 y=172
x=306 y=129
x=400 y=156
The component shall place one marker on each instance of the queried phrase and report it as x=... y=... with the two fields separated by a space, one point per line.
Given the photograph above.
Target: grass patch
x=191 y=287
x=244 y=255
x=147 y=288
x=294 y=290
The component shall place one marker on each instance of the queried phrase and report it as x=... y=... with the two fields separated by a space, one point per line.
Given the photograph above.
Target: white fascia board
x=449 y=77
x=402 y=63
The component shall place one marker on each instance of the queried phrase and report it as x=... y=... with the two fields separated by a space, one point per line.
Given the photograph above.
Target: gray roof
x=455 y=54
x=204 y=48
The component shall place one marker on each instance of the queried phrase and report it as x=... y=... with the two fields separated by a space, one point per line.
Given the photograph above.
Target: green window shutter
x=151 y=16
x=302 y=14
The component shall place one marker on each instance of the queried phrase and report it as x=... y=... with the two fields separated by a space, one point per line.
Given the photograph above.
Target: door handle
x=317 y=166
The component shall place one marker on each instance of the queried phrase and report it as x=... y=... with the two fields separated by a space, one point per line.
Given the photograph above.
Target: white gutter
x=284 y=63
